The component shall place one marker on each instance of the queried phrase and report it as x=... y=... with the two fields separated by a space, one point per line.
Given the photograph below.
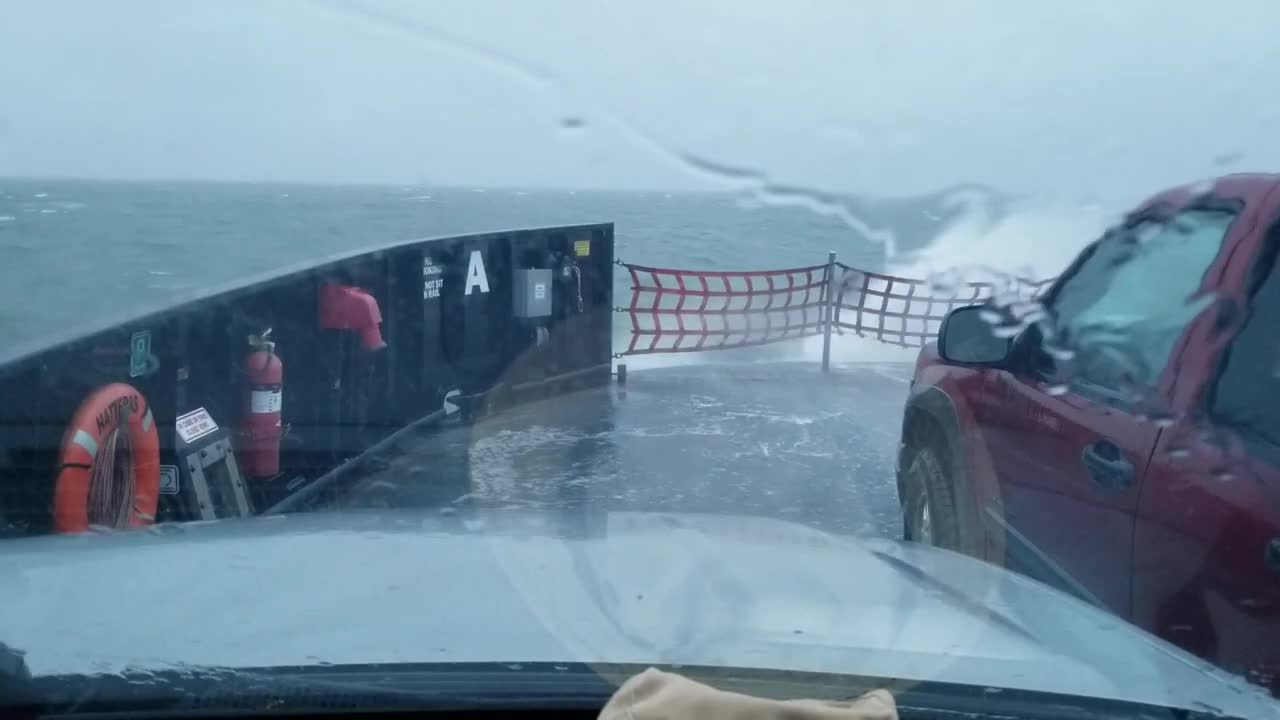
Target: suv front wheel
x=928 y=497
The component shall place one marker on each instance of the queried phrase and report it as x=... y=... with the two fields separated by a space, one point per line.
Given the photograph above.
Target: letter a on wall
x=476 y=276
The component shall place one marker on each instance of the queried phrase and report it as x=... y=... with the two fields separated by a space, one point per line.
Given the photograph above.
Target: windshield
x=918 y=345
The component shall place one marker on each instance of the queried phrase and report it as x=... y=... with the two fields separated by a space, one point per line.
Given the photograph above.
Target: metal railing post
x=828 y=311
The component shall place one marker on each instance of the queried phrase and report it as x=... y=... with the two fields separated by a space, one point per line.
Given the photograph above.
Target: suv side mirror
x=969 y=338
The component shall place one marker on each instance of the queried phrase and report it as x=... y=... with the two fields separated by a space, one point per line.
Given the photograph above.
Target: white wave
x=852 y=348
x=7 y=218
x=41 y=195
x=645 y=362
x=1034 y=240
x=48 y=211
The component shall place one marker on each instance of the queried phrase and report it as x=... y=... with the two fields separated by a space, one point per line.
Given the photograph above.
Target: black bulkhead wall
x=474 y=314
x=597 y=279
x=40 y=397
x=452 y=340
x=407 y=395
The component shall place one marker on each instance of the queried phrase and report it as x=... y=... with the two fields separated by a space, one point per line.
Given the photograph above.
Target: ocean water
x=77 y=253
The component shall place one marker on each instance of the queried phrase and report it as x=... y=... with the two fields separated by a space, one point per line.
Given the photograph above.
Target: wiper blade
x=515 y=686
x=319 y=688
x=15 y=677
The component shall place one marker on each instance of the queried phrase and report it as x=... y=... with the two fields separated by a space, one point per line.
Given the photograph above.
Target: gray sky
x=1105 y=98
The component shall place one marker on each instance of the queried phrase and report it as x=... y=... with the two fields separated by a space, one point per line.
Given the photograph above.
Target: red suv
x=1120 y=437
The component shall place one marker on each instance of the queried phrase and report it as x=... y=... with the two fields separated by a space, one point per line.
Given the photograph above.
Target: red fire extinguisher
x=260 y=428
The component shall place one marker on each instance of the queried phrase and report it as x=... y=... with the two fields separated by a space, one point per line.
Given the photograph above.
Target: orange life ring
x=93 y=487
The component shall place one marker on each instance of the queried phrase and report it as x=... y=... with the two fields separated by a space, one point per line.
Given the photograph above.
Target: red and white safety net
x=909 y=312
x=695 y=310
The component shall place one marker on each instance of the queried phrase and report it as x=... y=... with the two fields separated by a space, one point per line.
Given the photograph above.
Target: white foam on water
x=7 y=218
x=645 y=362
x=1035 y=240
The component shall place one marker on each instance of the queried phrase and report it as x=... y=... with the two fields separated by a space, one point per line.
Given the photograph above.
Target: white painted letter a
x=476 y=276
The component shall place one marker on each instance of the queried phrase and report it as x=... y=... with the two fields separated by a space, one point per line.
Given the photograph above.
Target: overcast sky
x=848 y=95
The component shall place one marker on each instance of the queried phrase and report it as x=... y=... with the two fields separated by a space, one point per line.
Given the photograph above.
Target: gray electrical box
x=531 y=293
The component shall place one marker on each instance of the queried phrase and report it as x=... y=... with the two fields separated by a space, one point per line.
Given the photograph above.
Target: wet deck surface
x=777 y=440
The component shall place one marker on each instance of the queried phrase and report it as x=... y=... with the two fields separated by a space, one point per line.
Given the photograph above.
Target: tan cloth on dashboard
x=658 y=695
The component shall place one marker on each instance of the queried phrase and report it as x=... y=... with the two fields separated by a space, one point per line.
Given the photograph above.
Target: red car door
x=1072 y=447
x=1207 y=540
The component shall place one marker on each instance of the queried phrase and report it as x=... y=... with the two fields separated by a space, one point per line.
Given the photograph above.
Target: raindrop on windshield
x=1057 y=352
x=991 y=317
x=945 y=284
x=1228 y=158
x=1034 y=316
x=1201 y=187
x=1183 y=226
x=1147 y=233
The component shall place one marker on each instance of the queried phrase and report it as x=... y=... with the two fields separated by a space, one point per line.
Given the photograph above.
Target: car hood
x=620 y=587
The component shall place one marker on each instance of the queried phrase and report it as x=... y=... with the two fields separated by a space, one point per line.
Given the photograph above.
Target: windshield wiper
x=527 y=686
x=15 y=677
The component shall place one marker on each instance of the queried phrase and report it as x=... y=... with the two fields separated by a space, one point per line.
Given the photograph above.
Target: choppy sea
x=74 y=252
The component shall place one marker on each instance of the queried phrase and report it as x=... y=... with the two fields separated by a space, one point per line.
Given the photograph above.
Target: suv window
x=1248 y=386
x=1130 y=300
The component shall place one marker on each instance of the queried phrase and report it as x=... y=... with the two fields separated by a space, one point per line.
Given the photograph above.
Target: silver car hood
x=604 y=588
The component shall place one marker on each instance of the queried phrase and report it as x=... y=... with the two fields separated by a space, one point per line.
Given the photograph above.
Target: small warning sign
x=195 y=425
x=140 y=353
x=168 y=479
x=582 y=248
x=432 y=278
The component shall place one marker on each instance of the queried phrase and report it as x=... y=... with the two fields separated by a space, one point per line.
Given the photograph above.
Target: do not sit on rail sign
x=194 y=425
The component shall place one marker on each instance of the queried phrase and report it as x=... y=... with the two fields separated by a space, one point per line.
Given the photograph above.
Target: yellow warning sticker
x=582 y=248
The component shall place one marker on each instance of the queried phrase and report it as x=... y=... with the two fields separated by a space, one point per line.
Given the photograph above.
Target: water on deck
x=767 y=439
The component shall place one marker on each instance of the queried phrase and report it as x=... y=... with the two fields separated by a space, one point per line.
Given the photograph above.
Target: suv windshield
x=1136 y=292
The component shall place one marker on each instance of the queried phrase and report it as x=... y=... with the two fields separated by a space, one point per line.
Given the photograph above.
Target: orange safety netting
x=675 y=311
x=909 y=312
x=694 y=310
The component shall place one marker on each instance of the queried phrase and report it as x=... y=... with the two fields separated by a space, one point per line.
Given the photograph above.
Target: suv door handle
x=1106 y=464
